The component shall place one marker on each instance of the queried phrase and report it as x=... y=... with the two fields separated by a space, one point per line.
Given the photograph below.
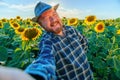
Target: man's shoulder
x=70 y=29
x=47 y=37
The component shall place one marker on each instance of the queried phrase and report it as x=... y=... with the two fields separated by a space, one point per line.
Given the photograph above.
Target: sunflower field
x=19 y=40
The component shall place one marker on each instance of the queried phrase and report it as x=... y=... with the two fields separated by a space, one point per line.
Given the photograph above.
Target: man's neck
x=61 y=33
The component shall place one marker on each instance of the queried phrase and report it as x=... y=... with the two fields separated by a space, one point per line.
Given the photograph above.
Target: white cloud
x=3 y=3
x=53 y=2
x=70 y=12
x=18 y=7
x=22 y=7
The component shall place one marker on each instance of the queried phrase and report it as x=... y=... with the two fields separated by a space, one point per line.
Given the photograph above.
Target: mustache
x=53 y=23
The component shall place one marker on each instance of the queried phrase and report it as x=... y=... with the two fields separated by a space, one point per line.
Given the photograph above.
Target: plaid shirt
x=62 y=58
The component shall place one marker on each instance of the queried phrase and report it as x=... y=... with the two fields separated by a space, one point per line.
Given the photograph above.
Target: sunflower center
x=100 y=27
x=91 y=18
x=15 y=25
x=18 y=17
x=31 y=33
x=34 y=24
x=3 y=20
x=21 y=29
x=72 y=20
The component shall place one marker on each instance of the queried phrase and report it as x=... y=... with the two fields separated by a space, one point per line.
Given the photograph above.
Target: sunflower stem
x=26 y=48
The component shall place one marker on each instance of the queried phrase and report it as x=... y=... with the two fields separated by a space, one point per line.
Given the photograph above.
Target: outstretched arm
x=44 y=66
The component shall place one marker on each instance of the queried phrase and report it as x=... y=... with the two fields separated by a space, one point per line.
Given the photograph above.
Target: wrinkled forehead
x=47 y=13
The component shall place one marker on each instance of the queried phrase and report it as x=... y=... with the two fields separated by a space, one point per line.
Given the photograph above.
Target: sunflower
x=20 y=30
x=4 y=20
x=18 y=18
x=14 y=25
x=35 y=24
x=118 y=31
x=31 y=34
x=11 y=19
x=89 y=20
x=73 y=22
x=28 y=19
x=28 y=22
x=100 y=27
x=1 y=24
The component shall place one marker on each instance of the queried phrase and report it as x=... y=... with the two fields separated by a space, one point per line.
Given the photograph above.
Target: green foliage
x=13 y=51
x=103 y=50
x=118 y=19
x=3 y=53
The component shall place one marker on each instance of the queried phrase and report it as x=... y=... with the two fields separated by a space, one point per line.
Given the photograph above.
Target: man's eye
x=44 y=18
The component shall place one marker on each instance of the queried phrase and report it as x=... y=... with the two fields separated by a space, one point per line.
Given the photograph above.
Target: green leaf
x=110 y=61
x=99 y=63
x=118 y=74
x=18 y=50
x=117 y=65
x=3 y=53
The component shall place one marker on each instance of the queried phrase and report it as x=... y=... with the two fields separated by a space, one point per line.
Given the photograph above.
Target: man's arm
x=44 y=66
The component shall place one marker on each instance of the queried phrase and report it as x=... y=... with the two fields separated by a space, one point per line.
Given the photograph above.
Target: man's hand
x=13 y=74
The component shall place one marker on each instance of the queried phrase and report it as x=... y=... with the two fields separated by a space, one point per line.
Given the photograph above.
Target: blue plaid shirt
x=62 y=57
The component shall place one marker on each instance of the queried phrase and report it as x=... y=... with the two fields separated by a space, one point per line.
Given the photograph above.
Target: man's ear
x=40 y=23
x=35 y=19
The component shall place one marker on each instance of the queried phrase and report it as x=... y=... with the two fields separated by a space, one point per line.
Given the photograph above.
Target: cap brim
x=55 y=7
x=35 y=19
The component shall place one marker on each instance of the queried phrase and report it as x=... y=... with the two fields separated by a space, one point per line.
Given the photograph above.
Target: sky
x=102 y=9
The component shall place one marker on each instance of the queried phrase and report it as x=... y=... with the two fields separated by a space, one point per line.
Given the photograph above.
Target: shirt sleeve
x=44 y=65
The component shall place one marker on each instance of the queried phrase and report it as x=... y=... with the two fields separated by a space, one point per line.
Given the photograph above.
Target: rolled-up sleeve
x=44 y=65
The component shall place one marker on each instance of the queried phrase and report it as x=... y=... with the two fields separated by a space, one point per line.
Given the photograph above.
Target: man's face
x=50 y=21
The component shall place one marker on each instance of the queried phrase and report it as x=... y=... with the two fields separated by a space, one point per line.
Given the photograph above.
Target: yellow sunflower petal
x=100 y=27
x=14 y=25
x=31 y=33
x=73 y=22
x=1 y=24
x=89 y=20
x=118 y=31
x=20 y=30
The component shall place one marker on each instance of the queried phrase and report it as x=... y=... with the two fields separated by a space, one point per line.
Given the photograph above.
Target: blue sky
x=103 y=9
